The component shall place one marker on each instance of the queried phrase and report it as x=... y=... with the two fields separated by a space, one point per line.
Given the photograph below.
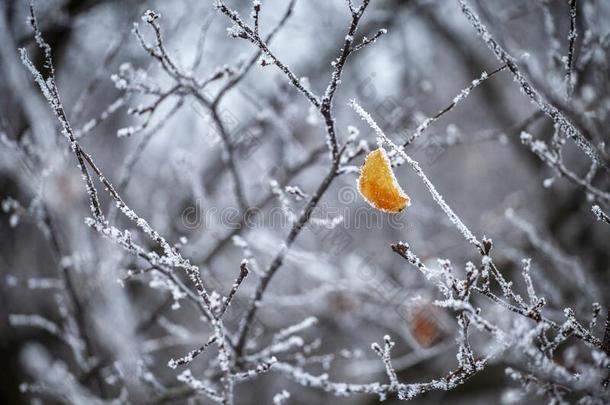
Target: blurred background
x=341 y=269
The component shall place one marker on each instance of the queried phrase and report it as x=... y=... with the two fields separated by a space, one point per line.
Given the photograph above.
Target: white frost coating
x=249 y=258
x=281 y=398
x=328 y=223
x=159 y=281
x=35 y=321
x=599 y=214
x=204 y=387
x=296 y=192
x=284 y=202
x=44 y=284
x=427 y=121
x=548 y=182
x=259 y=369
x=291 y=330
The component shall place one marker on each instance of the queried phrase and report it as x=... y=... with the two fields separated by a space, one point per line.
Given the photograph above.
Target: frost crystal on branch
x=599 y=214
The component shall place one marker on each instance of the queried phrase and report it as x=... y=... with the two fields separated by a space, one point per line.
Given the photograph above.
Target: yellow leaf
x=378 y=185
